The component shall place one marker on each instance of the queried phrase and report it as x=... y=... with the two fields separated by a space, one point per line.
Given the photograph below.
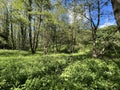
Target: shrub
x=92 y=74
x=108 y=42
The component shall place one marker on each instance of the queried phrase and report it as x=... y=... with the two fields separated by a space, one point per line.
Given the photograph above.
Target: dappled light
x=59 y=45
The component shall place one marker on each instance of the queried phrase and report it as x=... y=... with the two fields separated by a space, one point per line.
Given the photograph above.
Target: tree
x=91 y=10
x=5 y=22
x=116 y=9
x=36 y=11
x=18 y=25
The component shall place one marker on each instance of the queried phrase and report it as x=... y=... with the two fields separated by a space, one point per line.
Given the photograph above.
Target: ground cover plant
x=59 y=45
x=21 y=71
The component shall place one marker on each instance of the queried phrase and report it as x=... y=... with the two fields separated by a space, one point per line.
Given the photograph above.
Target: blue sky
x=108 y=19
x=108 y=16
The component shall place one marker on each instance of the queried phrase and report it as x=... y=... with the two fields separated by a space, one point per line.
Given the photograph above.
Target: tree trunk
x=30 y=28
x=94 y=36
x=116 y=10
x=6 y=27
x=12 y=37
x=23 y=36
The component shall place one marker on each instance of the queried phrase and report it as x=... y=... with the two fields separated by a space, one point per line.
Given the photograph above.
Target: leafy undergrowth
x=21 y=71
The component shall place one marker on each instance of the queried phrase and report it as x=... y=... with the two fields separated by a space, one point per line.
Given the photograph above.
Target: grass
x=20 y=70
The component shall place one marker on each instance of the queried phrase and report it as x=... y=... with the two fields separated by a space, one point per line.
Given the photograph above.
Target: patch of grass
x=20 y=70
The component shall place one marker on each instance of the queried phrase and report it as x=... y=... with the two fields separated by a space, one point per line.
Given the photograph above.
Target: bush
x=108 y=42
x=92 y=74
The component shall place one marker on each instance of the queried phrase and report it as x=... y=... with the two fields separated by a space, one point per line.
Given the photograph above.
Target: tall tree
x=5 y=21
x=91 y=10
x=116 y=9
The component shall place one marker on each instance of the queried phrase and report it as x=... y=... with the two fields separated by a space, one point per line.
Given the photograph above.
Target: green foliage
x=92 y=74
x=84 y=37
x=21 y=71
x=28 y=24
x=108 y=41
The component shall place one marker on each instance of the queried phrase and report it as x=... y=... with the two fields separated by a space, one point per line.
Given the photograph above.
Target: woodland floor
x=20 y=70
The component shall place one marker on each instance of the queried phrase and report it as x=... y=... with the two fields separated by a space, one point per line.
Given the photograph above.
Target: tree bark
x=30 y=28
x=23 y=36
x=6 y=25
x=116 y=10
x=12 y=37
